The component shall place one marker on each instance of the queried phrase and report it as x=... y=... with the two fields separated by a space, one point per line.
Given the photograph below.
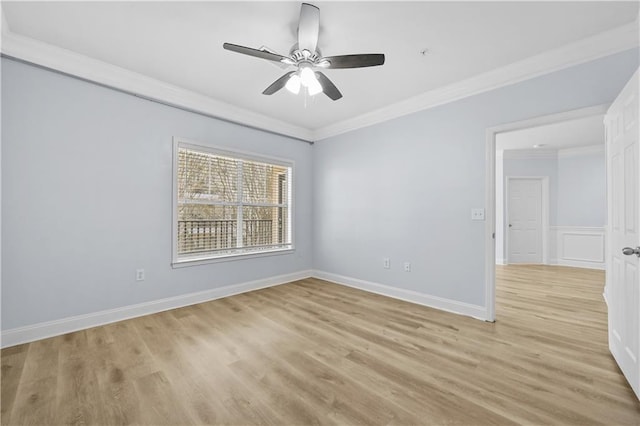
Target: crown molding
x=68 y=62
x=600 y=45
x=581 y=150
x=537 y=154
x=529 y=154
x=558 y=117
x=4 y=29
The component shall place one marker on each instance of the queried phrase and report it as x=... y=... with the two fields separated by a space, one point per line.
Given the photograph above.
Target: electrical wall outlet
x=407 y=267
x=386 y=263
x=477 y=214
x=139 y=274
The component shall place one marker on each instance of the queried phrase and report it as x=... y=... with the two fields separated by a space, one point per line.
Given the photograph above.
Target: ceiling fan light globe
x=315 y=87
x=307 y=76
x=293 y=85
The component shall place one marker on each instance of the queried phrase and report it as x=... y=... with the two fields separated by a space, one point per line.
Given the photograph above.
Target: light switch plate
x=477 y=214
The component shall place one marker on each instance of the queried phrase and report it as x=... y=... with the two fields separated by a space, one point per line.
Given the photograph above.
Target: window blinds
x=230 y=205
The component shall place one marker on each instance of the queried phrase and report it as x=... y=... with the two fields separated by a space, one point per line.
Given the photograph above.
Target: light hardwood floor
x=311 y=352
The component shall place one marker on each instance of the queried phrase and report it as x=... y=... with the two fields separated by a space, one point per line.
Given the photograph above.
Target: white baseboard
x=43 y=330
x=501 y=261
x=577 y=263
x=47 y=329
x=475 y=311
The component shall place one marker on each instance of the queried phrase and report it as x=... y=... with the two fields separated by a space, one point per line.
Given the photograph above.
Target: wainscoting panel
x=577 y=246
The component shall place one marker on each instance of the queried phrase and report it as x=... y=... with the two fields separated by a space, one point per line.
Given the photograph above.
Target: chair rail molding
x=577 y=246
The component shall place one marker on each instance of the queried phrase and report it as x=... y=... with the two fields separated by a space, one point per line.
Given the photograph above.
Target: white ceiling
x=181 y=43
x=587 y=131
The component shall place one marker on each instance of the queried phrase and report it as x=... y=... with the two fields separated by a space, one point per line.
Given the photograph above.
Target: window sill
x=183 y=263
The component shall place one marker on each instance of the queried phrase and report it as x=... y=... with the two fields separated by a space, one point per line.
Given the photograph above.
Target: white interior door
x=524 y=225
x=623 y=278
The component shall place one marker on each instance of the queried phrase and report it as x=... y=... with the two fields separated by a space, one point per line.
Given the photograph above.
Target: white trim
x=43 y=330
x=4 y=28
x=582 y=150
x=225 y=151
x=598 y=229
x=577 y=264
x=490 y=226
x=600 y=45
x=30 y=50
x=5 y=25
x=592 y=246
x=534 y=154
x=490 y=187
x=174 y=201
x=551 y=119
x=500 y=261
x=197 y=261
x=93 y=70
x=529 y=154
x=544 y=183
x=48 y=329
x=239 y=252
x=443 y=304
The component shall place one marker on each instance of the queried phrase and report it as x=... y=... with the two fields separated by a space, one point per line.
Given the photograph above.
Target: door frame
x=544 y=211
x=490 y=189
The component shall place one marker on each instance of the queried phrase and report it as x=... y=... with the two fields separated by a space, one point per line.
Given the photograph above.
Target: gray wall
x=577 y=190
x=577 y=187
x=403 y=189
x=582 y=190
x=86 y=192
x=86 y=198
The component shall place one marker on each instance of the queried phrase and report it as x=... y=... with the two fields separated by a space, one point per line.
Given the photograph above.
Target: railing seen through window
x=229 y=205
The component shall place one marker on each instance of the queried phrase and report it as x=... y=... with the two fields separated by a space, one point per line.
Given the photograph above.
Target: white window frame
x=239 y=253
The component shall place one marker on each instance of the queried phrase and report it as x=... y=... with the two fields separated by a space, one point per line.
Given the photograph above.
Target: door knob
x=629 y=251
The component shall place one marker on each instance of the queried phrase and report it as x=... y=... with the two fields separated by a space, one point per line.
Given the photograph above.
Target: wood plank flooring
x=311 y=352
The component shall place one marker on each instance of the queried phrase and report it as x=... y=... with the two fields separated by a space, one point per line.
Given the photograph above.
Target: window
x=229 y=204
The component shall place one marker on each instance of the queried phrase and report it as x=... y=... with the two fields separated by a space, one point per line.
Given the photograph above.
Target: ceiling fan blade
x=263 y=54
x=328 y=87
x=355 y=61
x=278 y=84
x=308 y=27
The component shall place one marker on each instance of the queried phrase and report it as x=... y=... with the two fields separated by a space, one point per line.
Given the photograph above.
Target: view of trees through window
x=225 y=204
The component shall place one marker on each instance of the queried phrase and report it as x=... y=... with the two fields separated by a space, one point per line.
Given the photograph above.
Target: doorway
x=491 y=194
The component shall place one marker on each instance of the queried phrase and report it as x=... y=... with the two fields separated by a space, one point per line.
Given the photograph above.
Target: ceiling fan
x=306 y=57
